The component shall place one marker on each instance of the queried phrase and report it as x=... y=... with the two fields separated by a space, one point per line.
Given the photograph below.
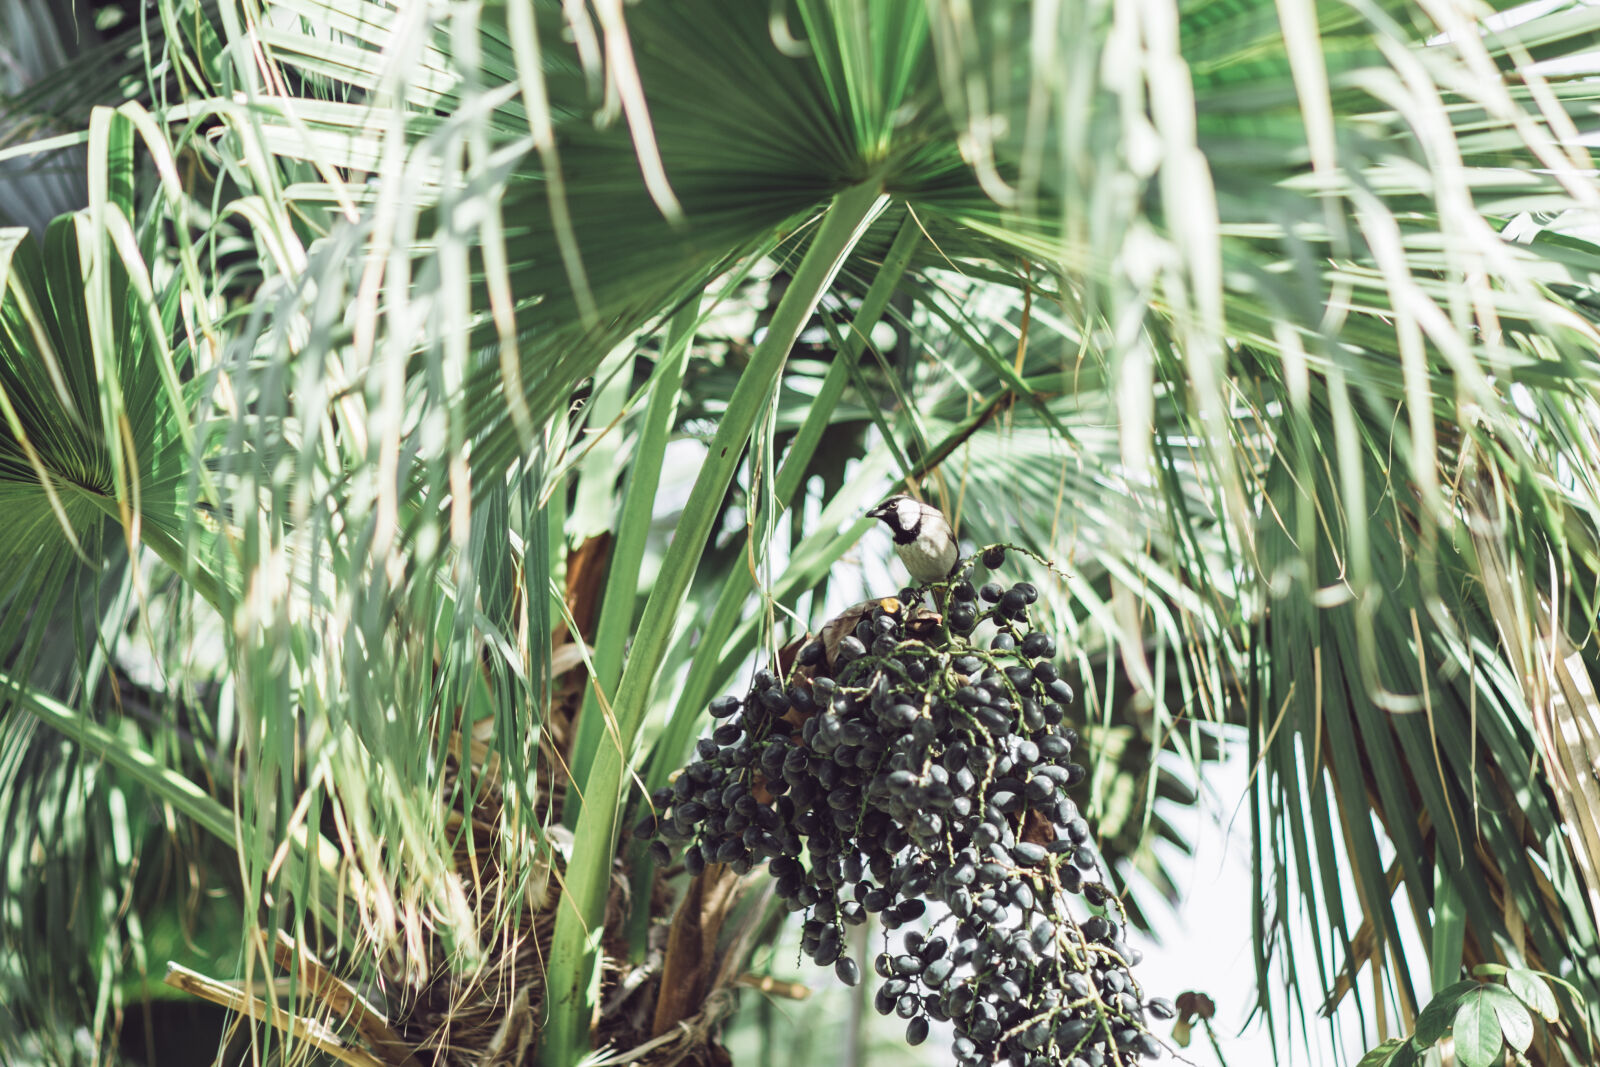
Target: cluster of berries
x=903 y=765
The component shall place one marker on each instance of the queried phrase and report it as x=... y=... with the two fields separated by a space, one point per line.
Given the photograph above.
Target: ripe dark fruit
x=1028 y=853
x=994 y=556
x=919 y=766
x=1038 y=645
x=848 y=972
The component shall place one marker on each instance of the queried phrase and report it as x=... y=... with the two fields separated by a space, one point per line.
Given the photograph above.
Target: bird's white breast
x=928 y=558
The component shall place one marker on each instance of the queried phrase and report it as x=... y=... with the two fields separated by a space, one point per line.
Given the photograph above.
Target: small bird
x=922 y=537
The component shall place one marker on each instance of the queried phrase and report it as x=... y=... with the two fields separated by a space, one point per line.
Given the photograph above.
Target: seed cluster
x=908 y=765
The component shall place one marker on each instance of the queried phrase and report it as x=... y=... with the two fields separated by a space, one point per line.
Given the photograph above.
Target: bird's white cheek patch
x=908 y=512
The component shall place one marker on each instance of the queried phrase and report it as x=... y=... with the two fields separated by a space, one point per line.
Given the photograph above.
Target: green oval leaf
x=1516 y=1025
x=1382 y=1054
x=1476 y=1030
x=1531 y=988
x=1435 y=1018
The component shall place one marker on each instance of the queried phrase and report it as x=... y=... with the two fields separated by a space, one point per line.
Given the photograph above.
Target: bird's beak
x=879 y=512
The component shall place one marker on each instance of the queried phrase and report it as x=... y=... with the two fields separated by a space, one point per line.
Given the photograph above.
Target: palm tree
x=336 y=425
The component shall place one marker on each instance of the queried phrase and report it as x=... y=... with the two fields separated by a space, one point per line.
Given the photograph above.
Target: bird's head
x=900 y=513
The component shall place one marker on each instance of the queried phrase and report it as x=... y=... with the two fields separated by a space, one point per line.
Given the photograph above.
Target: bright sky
x=1203 y=943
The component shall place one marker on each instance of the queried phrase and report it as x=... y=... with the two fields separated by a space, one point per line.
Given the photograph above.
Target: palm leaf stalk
x=574 y=974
